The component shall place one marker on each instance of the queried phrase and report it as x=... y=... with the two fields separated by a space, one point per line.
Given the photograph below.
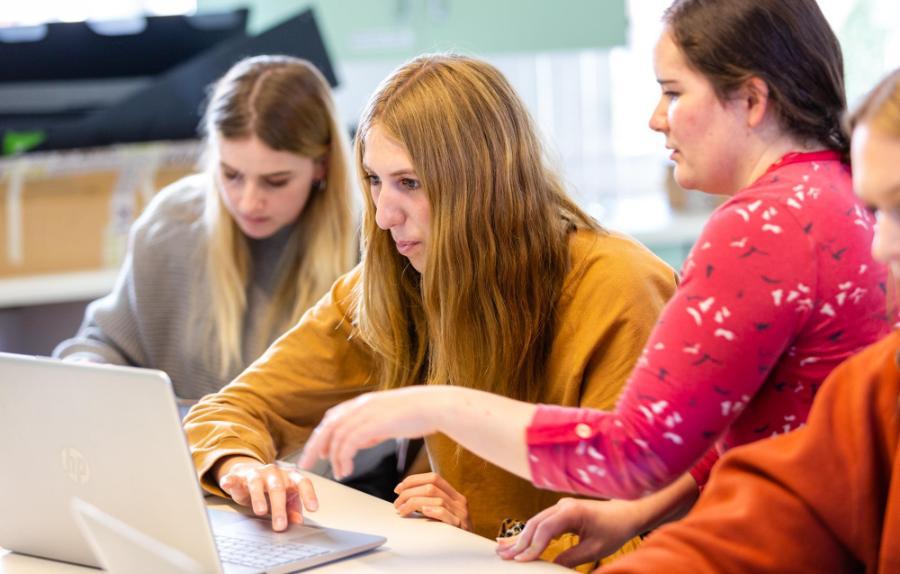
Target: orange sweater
x=825 y=498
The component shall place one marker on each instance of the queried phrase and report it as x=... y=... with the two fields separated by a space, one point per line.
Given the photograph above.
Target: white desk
x=413 y=544
x=43 y=289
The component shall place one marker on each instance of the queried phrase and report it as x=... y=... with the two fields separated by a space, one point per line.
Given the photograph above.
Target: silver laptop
x=111 y=437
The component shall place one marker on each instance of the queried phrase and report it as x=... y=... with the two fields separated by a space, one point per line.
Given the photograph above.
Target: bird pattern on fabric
x=779 y=289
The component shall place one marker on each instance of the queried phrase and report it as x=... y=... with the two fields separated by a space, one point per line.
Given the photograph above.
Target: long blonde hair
x=286 y=103
x=483 y=312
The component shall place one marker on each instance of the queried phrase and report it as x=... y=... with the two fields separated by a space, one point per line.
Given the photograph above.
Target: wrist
x=669 y=504
x=632 y=517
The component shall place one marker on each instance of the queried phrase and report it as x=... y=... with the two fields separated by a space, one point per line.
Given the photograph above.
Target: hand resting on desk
x=602 y=526
x=432 y=496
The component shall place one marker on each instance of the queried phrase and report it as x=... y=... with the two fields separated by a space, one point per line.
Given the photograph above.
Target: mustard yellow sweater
x=613 y=292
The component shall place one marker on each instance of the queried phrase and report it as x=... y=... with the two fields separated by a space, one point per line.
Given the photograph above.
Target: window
x=35 y=12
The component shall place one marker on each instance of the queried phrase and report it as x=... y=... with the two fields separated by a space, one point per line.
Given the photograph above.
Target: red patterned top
x=780 y=287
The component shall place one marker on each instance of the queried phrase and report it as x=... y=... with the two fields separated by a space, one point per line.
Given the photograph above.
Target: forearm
x=91 y=345
x=490 y=426
x=493 y=427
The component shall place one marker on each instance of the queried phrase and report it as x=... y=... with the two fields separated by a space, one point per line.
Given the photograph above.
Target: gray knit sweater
x=158 y=314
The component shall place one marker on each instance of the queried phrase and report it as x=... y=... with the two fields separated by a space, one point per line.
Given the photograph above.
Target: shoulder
x=345 y=288
x=793 y=207
x=796 y=191
x=607 y=266
x=343 y=297
x=175 y=213
x=861 y=398
x=615 y=257
x=874 y=370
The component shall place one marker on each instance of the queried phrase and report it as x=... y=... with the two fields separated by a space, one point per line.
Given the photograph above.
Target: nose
x=658 y=119
x=388 y=212
x=251 y=199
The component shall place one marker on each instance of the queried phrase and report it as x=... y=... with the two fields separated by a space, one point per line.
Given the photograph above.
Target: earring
x=319 y=185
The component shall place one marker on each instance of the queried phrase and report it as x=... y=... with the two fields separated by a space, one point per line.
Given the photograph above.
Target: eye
x=281 y=182
x=373 y=179
x=410 y=183
x=230 y=174
x=671 y=94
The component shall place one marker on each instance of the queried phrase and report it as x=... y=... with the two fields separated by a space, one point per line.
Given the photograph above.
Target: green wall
x=361 y=29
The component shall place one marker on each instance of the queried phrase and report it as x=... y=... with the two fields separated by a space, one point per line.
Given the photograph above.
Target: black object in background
x=170 y=107
x=77 y=50
x=63 y=71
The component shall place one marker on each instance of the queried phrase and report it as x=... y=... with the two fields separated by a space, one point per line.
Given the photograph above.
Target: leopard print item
x=510 y=527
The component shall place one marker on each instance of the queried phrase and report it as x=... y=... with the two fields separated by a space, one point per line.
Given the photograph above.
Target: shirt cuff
x=701 y=470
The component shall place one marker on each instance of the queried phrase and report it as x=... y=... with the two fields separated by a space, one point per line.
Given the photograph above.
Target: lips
x=254 y=220
x=406 y=247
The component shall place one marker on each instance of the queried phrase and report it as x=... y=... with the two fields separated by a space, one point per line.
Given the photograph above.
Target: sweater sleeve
x=736 y=311
x=815 y=500
x=273 y=406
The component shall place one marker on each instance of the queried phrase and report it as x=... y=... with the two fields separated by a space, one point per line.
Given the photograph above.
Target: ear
x=320 y=168
x=755 y=94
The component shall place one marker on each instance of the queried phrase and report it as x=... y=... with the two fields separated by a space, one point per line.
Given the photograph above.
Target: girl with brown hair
x=478 y=270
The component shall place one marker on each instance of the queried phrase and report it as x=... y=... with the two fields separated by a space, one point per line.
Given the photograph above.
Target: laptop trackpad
x=241 y=526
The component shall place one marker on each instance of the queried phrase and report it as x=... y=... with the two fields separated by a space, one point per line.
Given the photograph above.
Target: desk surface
x=412 y=543
x=44 y=289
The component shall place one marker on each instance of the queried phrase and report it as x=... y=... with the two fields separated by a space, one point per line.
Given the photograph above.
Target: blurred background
x=70 y=186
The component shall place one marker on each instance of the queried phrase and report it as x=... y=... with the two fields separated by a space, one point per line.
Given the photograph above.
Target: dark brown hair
x=786 y=43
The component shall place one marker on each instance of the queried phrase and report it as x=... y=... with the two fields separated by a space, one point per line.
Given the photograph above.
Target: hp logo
x=75 y=466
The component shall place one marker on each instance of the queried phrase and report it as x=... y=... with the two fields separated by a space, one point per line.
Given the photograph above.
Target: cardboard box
x=71 y=211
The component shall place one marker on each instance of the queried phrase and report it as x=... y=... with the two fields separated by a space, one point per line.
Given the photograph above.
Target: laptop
x=121 y=549
x=111 y=437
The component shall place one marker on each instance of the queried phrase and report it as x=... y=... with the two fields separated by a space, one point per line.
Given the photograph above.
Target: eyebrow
x=664 y=81
x=397 y=173
x=271 y=174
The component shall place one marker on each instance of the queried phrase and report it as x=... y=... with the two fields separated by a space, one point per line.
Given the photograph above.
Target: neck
x=768 y=150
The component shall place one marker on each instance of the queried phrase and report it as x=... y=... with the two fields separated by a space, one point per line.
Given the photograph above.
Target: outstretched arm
x=491 y=426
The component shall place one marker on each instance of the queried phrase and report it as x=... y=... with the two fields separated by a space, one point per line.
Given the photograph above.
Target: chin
x=683 y=179
x=418 y=265
x=258 y=233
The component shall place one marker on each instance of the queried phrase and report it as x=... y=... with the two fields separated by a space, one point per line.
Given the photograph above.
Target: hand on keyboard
x=267 y=488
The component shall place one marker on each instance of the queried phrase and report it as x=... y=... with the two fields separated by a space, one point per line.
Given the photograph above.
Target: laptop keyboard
x=261 y=554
